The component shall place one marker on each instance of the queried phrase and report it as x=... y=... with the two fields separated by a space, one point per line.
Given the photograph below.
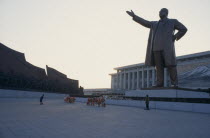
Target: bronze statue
x=160 y=48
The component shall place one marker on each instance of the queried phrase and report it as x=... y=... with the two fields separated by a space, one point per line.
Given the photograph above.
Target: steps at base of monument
x=167 y=93
x=183 y=100
x=176 y=88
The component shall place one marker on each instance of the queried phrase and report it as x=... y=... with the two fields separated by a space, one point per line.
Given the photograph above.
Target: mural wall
x=17 y=73
x=198 y=77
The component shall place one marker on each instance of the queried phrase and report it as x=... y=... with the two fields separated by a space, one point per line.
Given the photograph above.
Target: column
x=137 y=78
x=120 y=80
x=114 y=84
x=133 y=80
x=142 y=77
x=129 y=77
x=112 y=81
x=165 y=77
x=124 y=83
x=153 y=76
x=147 y=77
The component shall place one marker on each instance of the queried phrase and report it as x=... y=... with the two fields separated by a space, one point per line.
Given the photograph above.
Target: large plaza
x=25 y=118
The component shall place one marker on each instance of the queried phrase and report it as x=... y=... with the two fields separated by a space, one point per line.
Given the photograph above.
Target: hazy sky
x=86 y=39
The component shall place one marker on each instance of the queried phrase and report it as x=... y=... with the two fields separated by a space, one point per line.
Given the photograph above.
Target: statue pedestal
x=167 y=93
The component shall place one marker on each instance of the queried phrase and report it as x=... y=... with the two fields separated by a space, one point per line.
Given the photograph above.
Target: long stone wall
x=176 y=106
x=28 y=94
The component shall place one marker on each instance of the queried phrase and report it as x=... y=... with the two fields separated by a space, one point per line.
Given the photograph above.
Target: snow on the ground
x=23 y=118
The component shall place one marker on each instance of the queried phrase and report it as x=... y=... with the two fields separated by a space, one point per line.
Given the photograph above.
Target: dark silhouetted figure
x=147 y=102
x=41 y=99
x=160 y=48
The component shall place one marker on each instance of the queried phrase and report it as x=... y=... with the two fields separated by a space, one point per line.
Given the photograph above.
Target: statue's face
x=163 y=13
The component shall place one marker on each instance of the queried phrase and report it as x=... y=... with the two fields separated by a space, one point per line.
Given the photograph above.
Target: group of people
x=69 y=99
x=100 y=101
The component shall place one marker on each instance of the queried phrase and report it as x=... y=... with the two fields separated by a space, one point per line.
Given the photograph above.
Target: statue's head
x=163 y=13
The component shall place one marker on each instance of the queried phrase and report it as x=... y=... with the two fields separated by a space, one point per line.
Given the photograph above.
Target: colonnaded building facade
x=193 y=72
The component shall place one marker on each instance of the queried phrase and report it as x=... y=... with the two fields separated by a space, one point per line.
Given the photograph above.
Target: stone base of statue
x=167 y=92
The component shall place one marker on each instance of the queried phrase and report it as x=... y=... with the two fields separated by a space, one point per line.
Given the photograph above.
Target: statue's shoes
x=174 y=85
x=157 y=86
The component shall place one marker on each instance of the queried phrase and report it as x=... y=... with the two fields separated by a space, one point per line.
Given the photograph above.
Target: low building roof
x=195 y=55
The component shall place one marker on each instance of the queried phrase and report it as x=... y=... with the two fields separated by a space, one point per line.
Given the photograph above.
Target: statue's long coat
x=169 y=51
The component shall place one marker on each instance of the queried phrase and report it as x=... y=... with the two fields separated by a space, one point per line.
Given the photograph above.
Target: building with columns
x=137 y=76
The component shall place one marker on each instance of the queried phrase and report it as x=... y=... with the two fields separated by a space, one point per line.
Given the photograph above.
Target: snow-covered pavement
x=24 y=118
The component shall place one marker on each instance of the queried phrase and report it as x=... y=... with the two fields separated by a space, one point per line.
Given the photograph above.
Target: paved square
x=25 y=118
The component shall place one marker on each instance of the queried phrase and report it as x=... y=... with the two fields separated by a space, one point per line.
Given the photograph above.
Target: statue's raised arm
x=139 y=20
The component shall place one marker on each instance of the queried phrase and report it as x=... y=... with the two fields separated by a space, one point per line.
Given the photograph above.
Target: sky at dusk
x=86 y=39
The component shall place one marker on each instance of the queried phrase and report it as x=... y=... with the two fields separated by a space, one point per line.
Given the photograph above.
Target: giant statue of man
x=160 y=48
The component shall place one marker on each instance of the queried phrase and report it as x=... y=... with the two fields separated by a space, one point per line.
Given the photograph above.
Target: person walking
x=147 y=102
x=41 y=99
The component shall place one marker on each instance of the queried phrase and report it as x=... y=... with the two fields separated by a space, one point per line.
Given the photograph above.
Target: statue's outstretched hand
x=131 y=13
